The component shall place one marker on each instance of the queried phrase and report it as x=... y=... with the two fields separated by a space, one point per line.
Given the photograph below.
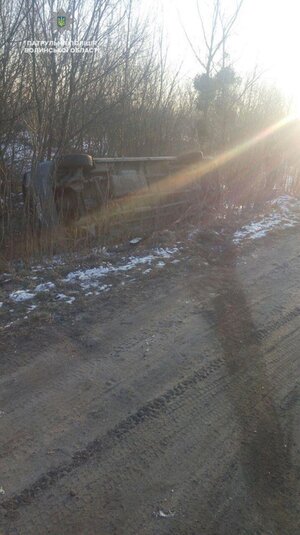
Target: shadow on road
x=264 y=453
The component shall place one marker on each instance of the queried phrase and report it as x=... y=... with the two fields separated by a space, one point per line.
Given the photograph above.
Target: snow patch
x=285 y=214
x=135 y=241
x=162 y=514
x=56 y=260
x=44 y=287
x=31 y=308
x=89 y=278
x=92 y=281
x=103 y=288
x=21 y=295
x=65 y=298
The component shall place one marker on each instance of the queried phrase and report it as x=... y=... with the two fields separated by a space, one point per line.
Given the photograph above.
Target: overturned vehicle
x=65 y=189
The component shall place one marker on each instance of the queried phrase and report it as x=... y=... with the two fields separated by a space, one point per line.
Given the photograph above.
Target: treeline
x=121 y=98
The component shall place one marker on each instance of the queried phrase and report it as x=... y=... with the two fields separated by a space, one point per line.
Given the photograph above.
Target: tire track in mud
x=54 y=410
x=187 y=423
x=268 y=470
x=149 y=411
x=273 y=326
x=251 y=411
x=264 y=332
x=142 y=454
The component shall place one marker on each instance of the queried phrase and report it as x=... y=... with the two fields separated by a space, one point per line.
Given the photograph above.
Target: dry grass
x=246 y=184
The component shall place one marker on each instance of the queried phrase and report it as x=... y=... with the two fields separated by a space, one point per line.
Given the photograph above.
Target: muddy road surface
x=171 y=406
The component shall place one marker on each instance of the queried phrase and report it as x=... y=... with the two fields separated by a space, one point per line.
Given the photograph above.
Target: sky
x=266 y=34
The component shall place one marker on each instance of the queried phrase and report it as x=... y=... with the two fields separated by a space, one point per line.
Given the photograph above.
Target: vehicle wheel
x=71 y=161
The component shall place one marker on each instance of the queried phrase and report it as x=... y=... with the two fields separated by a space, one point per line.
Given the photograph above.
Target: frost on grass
x=55 y=261
x=91 y=281
x=102 y=288
x=89 y=278
x=21 y=295
x=285 y=214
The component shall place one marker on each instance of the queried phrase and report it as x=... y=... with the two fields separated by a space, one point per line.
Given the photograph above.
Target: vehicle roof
x=135 y=159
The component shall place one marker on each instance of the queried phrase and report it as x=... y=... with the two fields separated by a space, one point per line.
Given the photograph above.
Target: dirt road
x=170 y=407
